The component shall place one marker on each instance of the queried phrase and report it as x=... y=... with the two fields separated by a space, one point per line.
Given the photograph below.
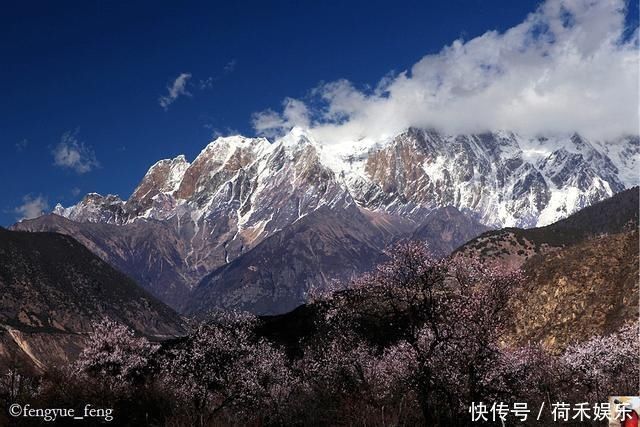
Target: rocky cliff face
x=578 y=291
x=53 y=288
x=236 y=192
x=187 y=220
x=581 y=272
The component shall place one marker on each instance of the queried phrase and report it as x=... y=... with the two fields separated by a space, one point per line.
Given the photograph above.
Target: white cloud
x=73 y=154
x=565 y=68
x=270 y=123
x=32 y=207
x=175 y=90
x=217 y=133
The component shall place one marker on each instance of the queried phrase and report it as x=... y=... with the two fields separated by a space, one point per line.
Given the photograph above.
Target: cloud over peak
x=73 y=154
x=568 y=67
x=32 y=207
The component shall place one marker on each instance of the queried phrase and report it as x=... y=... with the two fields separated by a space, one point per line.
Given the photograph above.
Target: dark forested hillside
x=53 y=288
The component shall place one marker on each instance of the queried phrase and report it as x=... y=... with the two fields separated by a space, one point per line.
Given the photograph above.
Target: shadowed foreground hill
x=271 y=277
x=324 y=246
x=150 y=252
x=52 y=290
x=275 y=276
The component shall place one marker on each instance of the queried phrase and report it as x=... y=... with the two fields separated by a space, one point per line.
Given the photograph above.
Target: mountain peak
x=235 y=141
x=224 y=147
x=97 y=198
x=297 y=136
x=94 y=207
x=179 y=159
x=164 y=177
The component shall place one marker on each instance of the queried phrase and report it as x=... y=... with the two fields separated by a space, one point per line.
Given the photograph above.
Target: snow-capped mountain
x=235 y=193
x=499 y=178
x=186 y=221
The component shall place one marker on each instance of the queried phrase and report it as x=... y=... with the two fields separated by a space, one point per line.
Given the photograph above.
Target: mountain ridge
x=400 y=174
x=186 y=220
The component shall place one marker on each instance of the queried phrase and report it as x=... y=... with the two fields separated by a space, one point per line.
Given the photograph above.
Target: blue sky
x=89 y=75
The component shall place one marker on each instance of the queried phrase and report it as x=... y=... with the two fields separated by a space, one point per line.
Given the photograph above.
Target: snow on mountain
x=318 y=207
x=625 y=154
x=95 y=208
x=499 y=178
